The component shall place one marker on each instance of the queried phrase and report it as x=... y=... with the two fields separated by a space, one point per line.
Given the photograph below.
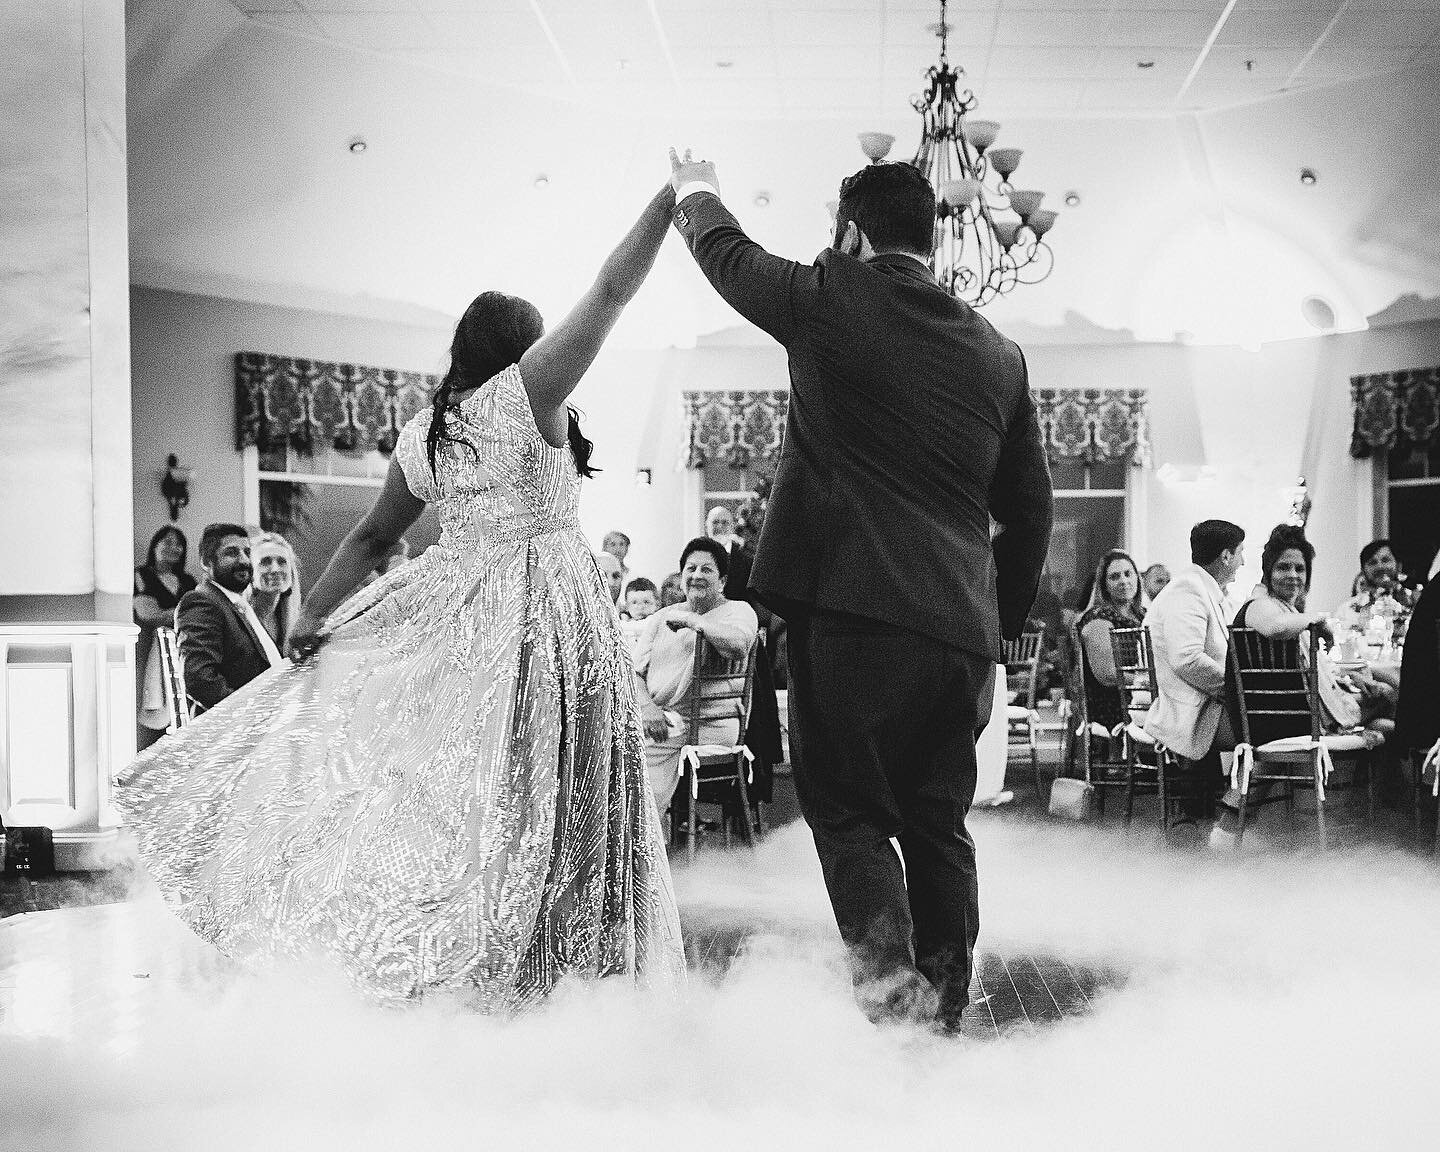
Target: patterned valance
x=1091 y=424
x=736 y=427
x=1394 y=408
x=1094 y=424
x=305 y=403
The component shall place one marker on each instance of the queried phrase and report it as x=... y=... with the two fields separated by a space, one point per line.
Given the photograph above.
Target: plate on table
x=1349 y=665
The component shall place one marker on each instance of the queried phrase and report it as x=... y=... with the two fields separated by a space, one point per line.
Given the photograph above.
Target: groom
x=910 y=428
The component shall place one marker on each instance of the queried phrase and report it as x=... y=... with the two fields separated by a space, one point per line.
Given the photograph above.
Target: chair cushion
x=1336 y=742
x=1015 y=712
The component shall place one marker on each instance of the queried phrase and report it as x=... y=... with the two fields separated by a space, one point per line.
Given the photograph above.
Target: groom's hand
x=688 y=171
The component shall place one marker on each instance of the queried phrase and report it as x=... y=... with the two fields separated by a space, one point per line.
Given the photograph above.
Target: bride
x=447 y=791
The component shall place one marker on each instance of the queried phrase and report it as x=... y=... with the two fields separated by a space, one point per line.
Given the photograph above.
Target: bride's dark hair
x=492 y=335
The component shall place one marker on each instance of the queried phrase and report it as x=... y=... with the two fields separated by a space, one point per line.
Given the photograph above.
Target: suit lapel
x=245 y=629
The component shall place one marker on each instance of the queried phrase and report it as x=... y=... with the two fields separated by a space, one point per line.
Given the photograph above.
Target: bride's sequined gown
x=452 y=793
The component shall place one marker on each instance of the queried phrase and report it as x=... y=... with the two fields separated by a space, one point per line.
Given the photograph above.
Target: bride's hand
x=305 y=638
x=652 y=719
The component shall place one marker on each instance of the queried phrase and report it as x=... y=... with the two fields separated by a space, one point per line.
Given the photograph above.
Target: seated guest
x=160 y=582
x=640 y=604
x=720 y=526
x=665 y=663
x=614 y=574
x=223 y=646
x=618 y=545
x=1380 y=575
x=671 y=591
x=1156 y=577
x=1189 y=638
x=1277 y=610
x=274 y=592
x=1114 y=603
x=641 y=599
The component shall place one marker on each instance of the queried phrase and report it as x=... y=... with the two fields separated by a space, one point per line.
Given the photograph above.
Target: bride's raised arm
x=554 y=364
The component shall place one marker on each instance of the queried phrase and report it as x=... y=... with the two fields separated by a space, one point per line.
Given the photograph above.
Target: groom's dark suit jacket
x=218 y=651
x=910 y=427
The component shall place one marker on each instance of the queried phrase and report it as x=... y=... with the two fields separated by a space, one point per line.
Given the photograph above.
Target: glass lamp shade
x=981 y=133
x=1040 y=222
x=876 y=145
x=1025 y=201
x=1005 y=161
x=1005 y=232
x=959 y=193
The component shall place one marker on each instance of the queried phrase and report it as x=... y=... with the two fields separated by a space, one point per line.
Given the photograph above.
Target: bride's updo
x=492 y=335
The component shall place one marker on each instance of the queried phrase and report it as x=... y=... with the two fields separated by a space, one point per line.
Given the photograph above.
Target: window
x=315 y=500
x=1412 y=506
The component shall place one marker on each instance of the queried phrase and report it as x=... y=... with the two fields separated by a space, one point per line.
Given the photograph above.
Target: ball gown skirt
x=451 y=794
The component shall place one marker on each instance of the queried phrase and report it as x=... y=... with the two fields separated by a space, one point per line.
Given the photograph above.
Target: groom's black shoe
x=899 y=998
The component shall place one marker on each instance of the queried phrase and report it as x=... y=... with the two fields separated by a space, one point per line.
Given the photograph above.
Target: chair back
x=1022 y=666
x=721 y=688
x=1274 y=691
x=172 y=679
x=1134 y=669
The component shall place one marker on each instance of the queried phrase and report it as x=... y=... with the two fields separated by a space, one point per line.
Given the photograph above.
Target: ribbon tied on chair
x=1243 y=765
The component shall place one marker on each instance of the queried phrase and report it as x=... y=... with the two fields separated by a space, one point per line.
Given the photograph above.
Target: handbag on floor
x=1071 y=799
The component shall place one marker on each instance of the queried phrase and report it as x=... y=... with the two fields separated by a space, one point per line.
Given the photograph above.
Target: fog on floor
x=1283 y=999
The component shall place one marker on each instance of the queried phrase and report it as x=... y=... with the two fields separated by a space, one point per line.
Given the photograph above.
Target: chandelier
x=989 y=235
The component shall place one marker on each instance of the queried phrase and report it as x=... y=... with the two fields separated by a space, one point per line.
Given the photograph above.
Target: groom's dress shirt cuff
x=690 y=187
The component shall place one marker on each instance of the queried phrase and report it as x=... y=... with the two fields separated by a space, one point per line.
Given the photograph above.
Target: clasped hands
x=687 y=170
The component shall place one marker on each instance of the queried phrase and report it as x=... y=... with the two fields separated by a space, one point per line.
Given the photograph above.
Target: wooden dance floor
x=97 y=974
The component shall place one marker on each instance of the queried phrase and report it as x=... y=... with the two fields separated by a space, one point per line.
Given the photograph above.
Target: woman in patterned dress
x=447 y=790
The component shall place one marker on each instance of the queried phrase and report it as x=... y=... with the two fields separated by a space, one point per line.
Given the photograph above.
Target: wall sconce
x=643 y=477
x=175 y=485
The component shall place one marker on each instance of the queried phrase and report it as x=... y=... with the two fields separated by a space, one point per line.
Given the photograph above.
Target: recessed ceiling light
x=1145 y=63
x=357 y=145
x=762 y=199
x=1308 y=176
x=724 y=63
x=1072 y=199
x=542 y=181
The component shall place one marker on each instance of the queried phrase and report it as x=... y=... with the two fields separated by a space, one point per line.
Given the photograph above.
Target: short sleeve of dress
x=410 y=455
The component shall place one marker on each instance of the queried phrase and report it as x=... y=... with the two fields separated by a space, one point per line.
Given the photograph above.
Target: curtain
x=1093 y=424
x=309 y=403
x=1394 y=408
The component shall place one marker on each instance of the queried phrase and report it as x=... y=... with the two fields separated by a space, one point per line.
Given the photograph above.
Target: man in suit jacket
x=910 y=427
x=223 y=646
x=1189 y=633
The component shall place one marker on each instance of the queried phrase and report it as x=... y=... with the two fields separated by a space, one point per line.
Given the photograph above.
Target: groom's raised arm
x=772 y=293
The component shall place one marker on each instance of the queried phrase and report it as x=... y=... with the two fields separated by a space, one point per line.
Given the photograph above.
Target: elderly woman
x=665 y=663
x=1114 y=603
x=274 y=592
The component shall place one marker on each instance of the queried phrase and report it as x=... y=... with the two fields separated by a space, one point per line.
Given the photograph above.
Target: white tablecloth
x=991 y=750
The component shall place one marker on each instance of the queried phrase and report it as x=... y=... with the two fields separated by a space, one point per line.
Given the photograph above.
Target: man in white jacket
x=1188 y=630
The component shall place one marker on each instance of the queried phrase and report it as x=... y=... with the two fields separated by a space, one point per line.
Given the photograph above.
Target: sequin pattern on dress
x=452 y=793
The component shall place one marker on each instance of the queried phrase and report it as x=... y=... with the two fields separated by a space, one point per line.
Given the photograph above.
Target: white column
x=67 y=646
x=64 y=313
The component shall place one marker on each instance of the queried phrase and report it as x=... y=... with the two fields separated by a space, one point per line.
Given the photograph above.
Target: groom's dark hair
x=893 y=204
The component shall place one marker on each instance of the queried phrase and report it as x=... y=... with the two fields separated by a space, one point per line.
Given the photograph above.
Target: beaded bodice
x=503 y=483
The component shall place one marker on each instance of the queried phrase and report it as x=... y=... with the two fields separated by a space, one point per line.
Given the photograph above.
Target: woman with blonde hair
x=274 y=591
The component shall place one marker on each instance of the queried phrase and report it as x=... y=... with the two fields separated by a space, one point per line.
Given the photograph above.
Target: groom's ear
x=850 y=242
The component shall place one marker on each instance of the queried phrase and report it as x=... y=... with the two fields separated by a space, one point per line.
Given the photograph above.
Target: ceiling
x=1192 y=216
x=782 y=58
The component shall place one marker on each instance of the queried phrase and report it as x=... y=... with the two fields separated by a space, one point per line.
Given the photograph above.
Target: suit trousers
x=883 y=727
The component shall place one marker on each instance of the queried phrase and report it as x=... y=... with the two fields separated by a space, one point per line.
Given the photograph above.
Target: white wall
x=183 y=388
